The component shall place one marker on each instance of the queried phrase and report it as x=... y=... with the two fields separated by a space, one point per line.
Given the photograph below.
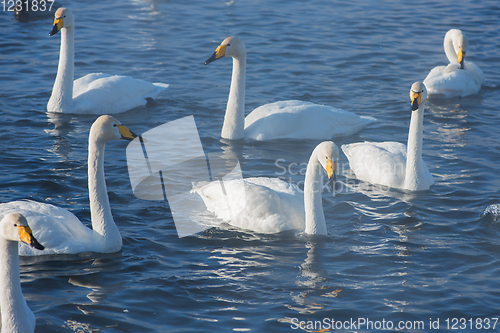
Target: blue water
x=389 y=255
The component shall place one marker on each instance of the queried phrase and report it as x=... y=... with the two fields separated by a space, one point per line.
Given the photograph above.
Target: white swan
x=394 y=164
x=270 y=205
x=95 y=93
x=15 y=315
x=58 y=229
x=460 y=77
x=285 y=119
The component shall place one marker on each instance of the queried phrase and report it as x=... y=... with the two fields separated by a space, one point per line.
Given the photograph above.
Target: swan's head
x=460 y=44
x=63 y=18
x=230 y=47
x=327 y=153
x=14 y=227
x=107 y=128
x=418 y=95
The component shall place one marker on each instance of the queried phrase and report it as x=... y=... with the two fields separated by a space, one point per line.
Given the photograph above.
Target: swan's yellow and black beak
x=461 y=58
x=331 y=171
x=58 y=24
x=126 y=133
x=27 y=237
x=416 y=97
x=219 y=53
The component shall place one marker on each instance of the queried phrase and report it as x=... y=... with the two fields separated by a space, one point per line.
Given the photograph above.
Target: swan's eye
x=114 y=125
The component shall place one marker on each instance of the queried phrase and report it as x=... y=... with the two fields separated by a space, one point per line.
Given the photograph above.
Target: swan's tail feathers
x=159 y=87
x=163 y=85
x=368 y=120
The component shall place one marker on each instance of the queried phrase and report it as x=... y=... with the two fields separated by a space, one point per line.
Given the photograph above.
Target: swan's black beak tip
x=34 y=243
x=54 y=31
x=211 y=59
x=414 y=105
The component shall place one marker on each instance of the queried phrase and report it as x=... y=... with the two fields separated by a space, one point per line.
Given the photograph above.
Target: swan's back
x=60 y=230
x=301 y=120
x=381 y=163
x=268 y=205
x=452 y=81
x=100 y=93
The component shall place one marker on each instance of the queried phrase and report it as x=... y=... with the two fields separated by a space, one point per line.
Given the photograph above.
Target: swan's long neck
x=12 y=303
x=449 y=49
x=234 y=120
x=414 y=163
x=105 y=230
x=313 y=185
x=62 y=92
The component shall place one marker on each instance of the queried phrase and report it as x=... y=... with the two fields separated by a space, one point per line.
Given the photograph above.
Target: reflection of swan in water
x=76 y=326
x=98 y=292
x=62 y=127
x=312 y=283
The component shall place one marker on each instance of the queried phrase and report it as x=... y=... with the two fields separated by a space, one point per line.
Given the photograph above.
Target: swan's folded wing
x=381 y=163
x=99 y=93
x=270 y=205
x=57 y=229
x=452 y=81
x=301 y=120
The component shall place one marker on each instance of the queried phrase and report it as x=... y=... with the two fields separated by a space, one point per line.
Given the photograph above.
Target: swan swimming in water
x=395 y=164
x=95 y=93
x=15 y=315
x=270 y=205
x=460 y=77
x=280 y=120
x=59 y=230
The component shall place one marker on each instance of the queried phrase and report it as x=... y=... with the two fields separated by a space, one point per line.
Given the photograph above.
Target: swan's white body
x=270 y=205
x=95 y=93
x=281 y=120
x=394 y=164
x=459 y=77
x=58 y=229
x=15 y=315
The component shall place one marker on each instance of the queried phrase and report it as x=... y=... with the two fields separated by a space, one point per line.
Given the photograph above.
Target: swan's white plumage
x=452 y=80
x=301 y=120
x=15 y=315
x=59 y=230
x=270 y=205
x=99 y=93
x=281 y=120
x=390 y=163
x=95 y=93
